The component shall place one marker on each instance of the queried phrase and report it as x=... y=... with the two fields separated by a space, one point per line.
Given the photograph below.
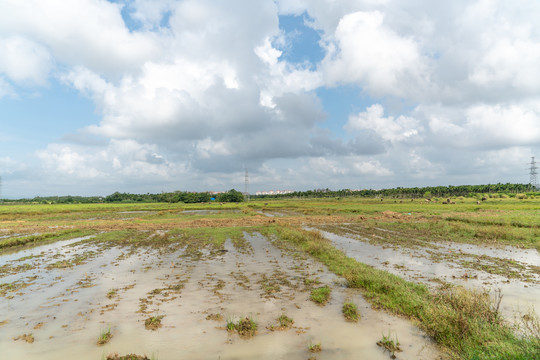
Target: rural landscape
x=280 y=278
x=270 y=179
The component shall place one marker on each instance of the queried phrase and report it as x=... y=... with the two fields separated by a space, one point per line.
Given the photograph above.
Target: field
x=337 y=278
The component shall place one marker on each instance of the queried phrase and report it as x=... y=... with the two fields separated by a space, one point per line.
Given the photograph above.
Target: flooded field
x=171 y=282
x=66 y=307
x=512 y=272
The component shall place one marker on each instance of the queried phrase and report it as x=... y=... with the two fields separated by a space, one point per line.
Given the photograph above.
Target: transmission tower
x=533 y=182
x=246 y=183
x=0 y=189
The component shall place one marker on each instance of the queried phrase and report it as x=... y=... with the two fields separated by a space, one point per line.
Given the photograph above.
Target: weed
x=320 y=295
x=245 y=327
x=104 y=336
x=350 y=311
x=285 y=321
x=314 y=348
x=390 y=344
x=153 y=323
x=112 y=293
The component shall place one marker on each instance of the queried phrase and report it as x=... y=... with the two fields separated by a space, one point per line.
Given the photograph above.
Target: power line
x=533 y=180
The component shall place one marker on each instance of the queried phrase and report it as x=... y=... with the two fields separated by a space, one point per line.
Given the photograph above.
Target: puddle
x=121 y=287
x=425 y=264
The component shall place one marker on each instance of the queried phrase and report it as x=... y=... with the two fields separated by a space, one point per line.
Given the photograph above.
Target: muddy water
x=67 y=308
x=423 y=265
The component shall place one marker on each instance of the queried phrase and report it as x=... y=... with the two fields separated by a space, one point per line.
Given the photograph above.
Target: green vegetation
x=245 y=327
x=315 y=347
x=320 y=295
x=467 y=323
x=153 y=323
x=390 y=344
x=43 y=238
x=285 y=321
x=104 y=336
x=350 y=311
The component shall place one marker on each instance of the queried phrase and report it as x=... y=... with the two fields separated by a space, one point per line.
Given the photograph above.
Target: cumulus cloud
x=200 y=87
x=367 y=52
x=387 y=128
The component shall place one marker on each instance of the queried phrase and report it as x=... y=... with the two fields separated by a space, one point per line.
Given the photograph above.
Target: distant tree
x=231 y=196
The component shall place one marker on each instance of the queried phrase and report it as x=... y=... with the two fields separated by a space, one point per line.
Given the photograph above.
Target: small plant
x=154 y=322
x=320 y=295
x=112 y=293
x=350 y=311
x=390 y=344
x=231 y=326
x=104 y=336
x=314 y=348
x=245 y=327
x=285 y=321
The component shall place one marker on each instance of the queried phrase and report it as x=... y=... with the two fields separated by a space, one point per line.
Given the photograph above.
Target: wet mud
x=67 y=295
x=512 y=271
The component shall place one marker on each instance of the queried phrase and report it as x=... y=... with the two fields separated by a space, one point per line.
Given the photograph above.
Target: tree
x=231 y=196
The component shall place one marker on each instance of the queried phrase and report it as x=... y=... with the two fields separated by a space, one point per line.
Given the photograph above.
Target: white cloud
x=388 y=128
x=24 y=61
x=210 y=91
x=89 y=33
x=367 y=52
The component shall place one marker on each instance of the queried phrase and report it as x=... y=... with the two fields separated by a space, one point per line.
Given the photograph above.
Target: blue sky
x=147 y=96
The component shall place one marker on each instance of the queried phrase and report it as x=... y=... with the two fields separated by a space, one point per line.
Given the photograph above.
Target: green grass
x=350 y=312
x=104 y=336
x=44 y=238
x=315 y=347
x=285 y=321
x=389 y=343
x=245 y=327
x=466 y=323
x=154 y=322
x=320 y=295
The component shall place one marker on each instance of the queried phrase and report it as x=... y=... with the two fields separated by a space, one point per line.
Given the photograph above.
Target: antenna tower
x=533 y=182
x=246 y=183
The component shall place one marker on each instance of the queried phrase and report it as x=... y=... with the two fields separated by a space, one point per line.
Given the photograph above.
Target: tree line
x=235 y=196
x=118 y=197
x=412 y=192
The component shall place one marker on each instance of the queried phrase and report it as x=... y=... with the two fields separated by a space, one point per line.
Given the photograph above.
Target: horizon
x=152 y=96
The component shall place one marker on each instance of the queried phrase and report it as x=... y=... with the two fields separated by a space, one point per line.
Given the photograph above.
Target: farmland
x=458 y=280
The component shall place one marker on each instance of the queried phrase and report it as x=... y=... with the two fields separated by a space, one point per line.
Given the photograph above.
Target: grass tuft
x=104 y=336
x=350 y=311
x=320 y=295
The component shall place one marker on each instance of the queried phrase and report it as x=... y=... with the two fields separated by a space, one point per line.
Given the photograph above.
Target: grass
x=466 y=323
x=104 y=336
x=350 y=312
x=153 y=323
x=321 y=295
x=245 y=327
x=315 y=347
x=390 y=344
x=285 y=321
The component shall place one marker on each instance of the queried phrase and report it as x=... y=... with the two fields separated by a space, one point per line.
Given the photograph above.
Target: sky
x=146 y=96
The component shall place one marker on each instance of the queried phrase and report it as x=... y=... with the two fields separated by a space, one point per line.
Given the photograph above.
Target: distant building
x=274 y=192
